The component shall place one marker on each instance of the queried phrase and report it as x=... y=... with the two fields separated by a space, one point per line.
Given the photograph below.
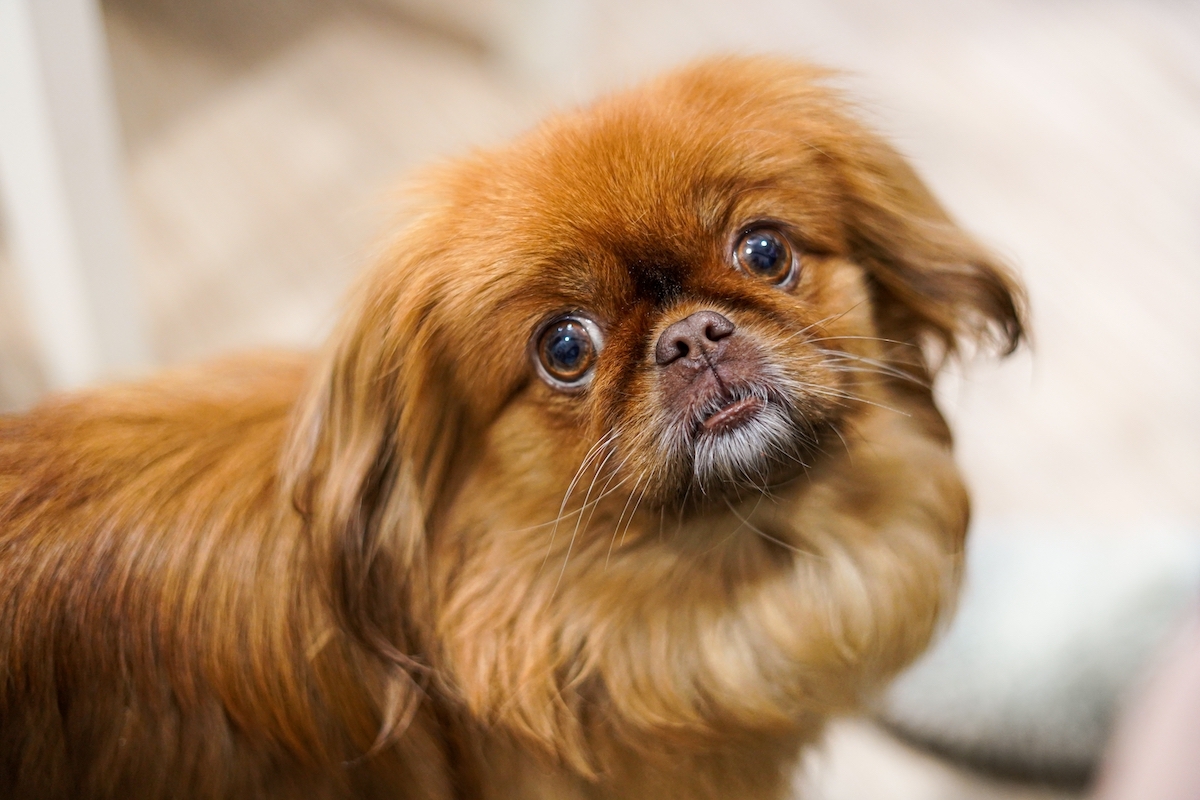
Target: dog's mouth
x=743 y=434
x=734 y=413
x=729 y=408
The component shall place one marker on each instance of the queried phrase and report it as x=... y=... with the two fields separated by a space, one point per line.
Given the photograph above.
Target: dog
x=621 y=474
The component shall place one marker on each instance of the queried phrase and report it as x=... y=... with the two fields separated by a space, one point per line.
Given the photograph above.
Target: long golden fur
x=411 y=567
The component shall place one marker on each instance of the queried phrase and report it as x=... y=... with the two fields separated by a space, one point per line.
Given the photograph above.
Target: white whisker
x=587 y=458
x=578 y=522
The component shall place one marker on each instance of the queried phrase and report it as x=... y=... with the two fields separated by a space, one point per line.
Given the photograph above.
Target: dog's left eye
x=765 y=253
x=567 y=350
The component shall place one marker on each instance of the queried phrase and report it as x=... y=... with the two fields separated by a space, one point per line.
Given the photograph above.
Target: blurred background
x=182 y=179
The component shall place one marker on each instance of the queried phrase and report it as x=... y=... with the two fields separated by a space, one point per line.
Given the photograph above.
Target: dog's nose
x=692 y=337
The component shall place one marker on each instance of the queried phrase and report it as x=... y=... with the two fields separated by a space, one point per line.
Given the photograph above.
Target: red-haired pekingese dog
x=621 y=474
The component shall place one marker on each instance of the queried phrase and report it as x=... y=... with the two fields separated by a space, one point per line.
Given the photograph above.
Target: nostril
x=715 y=334
x=716 y=326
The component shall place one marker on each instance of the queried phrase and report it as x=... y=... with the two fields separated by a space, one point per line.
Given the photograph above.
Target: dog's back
x=160 y=630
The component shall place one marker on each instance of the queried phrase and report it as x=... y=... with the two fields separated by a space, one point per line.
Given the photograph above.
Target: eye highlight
x=566 y=351
x=766 y=254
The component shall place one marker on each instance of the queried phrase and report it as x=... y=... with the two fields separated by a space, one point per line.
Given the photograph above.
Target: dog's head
x=663 y=307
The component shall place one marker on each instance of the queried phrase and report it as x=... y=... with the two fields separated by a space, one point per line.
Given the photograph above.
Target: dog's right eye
x=567 y=350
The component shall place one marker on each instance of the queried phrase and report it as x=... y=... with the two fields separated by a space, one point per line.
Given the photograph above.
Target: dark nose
x=692 y=337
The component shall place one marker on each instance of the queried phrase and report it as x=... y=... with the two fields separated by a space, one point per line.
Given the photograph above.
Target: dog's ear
x=369 y=449
x=934 y=285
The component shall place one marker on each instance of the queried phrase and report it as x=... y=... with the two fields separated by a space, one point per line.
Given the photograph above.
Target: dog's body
x=410 y=568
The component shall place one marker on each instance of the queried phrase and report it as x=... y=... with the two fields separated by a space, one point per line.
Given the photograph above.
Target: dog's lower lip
x=733 y=414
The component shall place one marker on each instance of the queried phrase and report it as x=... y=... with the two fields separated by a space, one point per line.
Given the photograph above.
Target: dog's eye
x=765 y=253
x=567 y=351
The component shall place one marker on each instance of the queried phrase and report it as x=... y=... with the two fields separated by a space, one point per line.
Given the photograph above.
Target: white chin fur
x=745 y=454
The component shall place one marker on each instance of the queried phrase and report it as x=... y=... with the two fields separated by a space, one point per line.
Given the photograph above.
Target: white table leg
x=62 y=192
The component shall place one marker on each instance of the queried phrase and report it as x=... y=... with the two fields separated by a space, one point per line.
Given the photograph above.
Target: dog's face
x=684 y=311
x=650 y=316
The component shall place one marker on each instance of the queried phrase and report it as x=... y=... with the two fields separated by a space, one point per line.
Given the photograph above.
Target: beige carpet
x=263 y=139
